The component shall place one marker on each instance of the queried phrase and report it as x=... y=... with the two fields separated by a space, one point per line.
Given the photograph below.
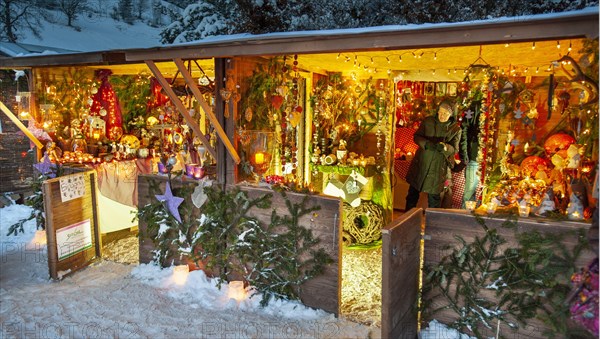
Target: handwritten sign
x=73 y=239
x=72 y=187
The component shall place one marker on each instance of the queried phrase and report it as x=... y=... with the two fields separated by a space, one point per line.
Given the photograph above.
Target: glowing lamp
x=259 y=158
x=237 y=290
x=180 y=274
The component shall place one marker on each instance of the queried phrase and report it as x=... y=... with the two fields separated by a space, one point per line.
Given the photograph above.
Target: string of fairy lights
x=372 y=63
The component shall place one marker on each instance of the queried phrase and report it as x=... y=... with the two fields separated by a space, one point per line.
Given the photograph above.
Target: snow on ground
x=111 y=299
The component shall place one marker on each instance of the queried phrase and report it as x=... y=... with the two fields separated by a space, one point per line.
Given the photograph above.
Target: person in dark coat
x=438 y=138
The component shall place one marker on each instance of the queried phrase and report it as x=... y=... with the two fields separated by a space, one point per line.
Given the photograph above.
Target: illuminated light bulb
x=414 y=55
x=388 y=59
x=400 y=58
x=533 y=45
x=389 y=71
x=372 y=62
x=570 y=46
x=526 y=69
x=506 y=44
x=448 y=71
x=338 y=56
x=537 y=70
x=558 y=44
x=435 y=56
x=433 y=72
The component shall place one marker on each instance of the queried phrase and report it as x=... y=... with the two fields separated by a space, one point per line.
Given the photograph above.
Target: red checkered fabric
x=401 y=168
x=458 y=188
x=405 y=141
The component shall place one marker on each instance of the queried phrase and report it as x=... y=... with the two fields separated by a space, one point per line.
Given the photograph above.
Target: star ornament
x=172 y=202
x=46 y=167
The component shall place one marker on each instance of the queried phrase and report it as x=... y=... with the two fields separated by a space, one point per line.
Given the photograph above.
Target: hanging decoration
x=106 y=104
x=157 y=98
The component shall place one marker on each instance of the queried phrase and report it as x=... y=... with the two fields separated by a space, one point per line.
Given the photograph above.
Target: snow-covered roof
x=15 y=49
x=544 y=27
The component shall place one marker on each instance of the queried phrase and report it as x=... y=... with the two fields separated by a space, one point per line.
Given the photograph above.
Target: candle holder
x=524 y=210
x=259 y=152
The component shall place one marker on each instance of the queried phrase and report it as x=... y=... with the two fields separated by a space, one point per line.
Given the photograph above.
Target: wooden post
x=211 y=116
x=180 y=107
x=20 y=125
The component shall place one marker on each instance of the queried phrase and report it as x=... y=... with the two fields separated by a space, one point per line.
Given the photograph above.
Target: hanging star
x=518 y=113
x=46 y=167
x=172 y=202
x=469 y=114
x=515 y=142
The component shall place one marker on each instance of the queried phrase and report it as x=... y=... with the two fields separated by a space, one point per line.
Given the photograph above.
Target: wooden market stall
x=330 y=116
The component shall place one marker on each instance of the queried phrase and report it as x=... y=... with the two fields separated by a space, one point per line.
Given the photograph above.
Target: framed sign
x=71 y=223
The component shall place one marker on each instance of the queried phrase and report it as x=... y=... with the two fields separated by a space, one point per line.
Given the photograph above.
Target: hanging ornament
x=157 y=98
x=248 y=114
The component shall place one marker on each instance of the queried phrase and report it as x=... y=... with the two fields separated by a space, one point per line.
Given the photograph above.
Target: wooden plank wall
x=401 y=267
x=322 y=292
x=441 y=225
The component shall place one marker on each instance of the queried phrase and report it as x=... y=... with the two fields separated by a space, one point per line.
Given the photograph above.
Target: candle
x=236 y=290
x=524 y=211
x=180 y=274
x=259 y=158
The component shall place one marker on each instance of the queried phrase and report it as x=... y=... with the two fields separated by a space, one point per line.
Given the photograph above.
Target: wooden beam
x=180 y=107
x=207 y=110
x=20 y=125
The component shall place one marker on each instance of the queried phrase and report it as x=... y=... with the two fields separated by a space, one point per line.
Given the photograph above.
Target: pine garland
x=275 y=258
x=529 y=281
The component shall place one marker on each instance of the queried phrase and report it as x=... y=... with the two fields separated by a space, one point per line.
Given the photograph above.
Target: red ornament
x=276 y=101
x=531 y=165
x=558 y=142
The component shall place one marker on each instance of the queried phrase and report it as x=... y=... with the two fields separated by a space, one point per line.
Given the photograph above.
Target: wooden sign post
x=71 y=223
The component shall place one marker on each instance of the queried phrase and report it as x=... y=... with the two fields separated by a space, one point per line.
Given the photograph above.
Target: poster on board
x=73 y=239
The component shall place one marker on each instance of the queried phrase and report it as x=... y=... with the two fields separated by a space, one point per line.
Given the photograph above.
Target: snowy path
x=114 y=300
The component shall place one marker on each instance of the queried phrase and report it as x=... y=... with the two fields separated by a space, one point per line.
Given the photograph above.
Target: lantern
x=180 y=274
x=237 y=290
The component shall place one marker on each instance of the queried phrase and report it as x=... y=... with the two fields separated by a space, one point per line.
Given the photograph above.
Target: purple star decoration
x=45 y=167
x=172 y=202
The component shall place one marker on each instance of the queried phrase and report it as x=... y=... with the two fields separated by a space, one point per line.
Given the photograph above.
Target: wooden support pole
x=180 y=107
x=207 y=110
x=20 y=125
